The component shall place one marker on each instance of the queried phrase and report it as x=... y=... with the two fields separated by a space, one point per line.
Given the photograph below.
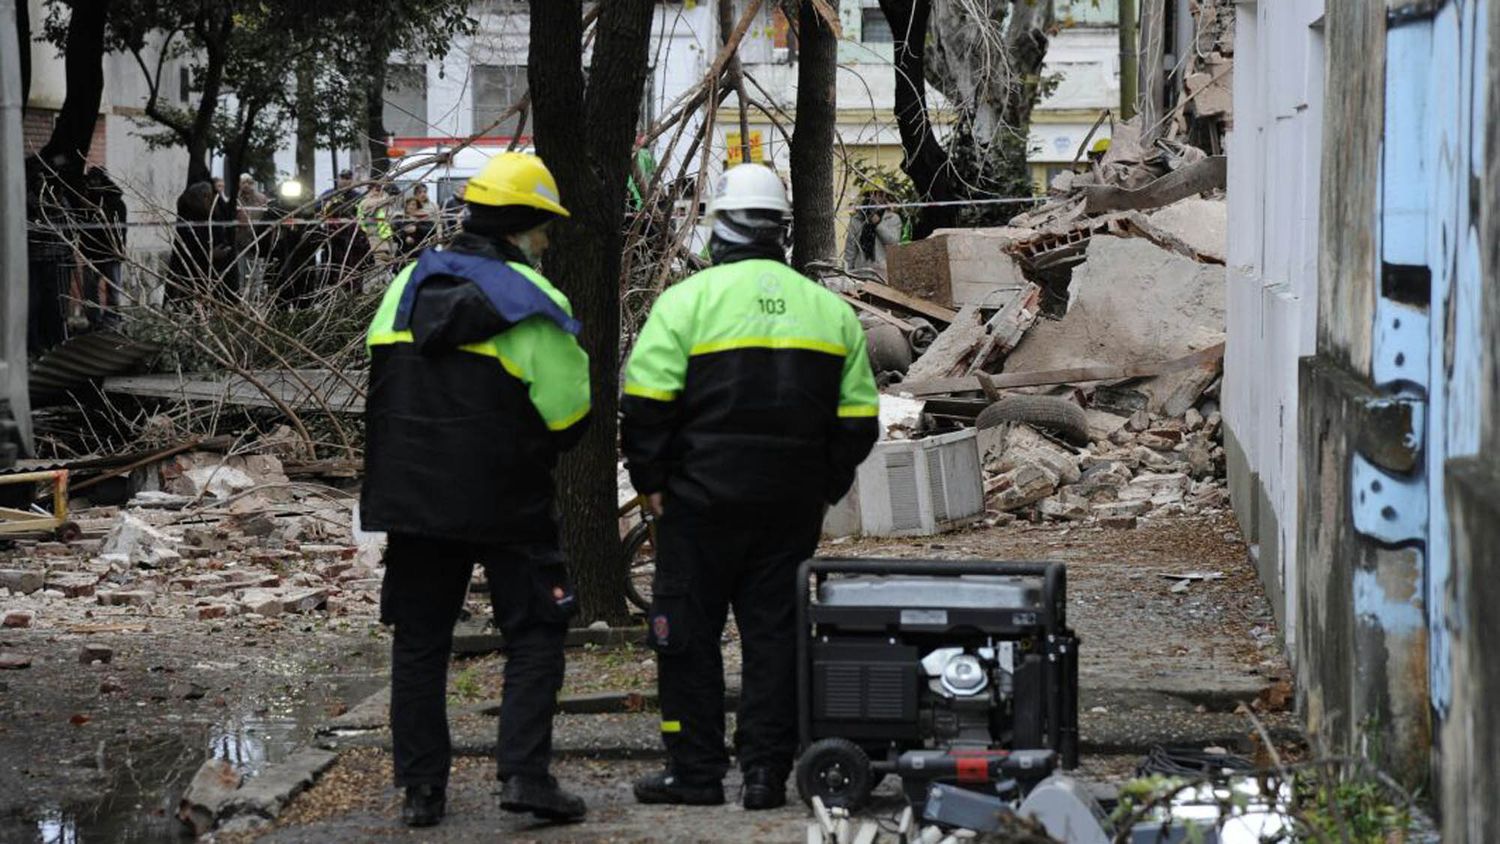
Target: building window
x=496 y=89
x=874 y=28
x=405 y=113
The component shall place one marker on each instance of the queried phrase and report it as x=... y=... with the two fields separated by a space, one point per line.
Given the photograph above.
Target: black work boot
x=543 y=797
x=425 y=805
x=764 y=789
x=665 y=787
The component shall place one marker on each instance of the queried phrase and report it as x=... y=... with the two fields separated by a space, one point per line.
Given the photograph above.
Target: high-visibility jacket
x=749 y=385
x=477 y=383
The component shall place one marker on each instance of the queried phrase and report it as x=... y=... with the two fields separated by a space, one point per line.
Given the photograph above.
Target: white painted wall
x=1274 y=165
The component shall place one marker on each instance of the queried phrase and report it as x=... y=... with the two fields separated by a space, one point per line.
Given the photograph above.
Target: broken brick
x=93 y=652
x=17 y=618
x=127 y=598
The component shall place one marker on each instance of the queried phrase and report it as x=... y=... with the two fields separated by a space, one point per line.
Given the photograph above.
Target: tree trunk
x=83 y=66
x=585 y=136
x=307 y=125
x=735 y=76
x=23 y=47
x=924 y=160
x=375 y=134
x=812 y=139
x=216 y=53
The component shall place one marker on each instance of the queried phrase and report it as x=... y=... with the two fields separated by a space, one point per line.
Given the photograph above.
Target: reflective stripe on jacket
x=749 y=384
x=477 y=382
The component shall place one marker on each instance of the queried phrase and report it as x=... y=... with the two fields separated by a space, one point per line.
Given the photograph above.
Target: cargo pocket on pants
x=552 y=596
x=667 y=628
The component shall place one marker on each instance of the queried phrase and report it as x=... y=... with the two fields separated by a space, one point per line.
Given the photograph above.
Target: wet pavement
x=102 y=752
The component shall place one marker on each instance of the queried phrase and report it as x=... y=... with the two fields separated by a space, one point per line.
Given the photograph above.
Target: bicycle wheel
x=640 y=566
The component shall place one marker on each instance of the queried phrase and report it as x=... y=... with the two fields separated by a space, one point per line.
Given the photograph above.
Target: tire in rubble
x=837 y=771
x=1058 y=415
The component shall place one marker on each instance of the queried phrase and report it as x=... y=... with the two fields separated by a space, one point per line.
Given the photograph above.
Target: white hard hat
x=749 y=186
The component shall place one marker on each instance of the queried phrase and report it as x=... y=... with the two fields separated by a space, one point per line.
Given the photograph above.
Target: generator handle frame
x=1054 y=598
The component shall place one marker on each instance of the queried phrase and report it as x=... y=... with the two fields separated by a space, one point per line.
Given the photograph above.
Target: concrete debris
x=206 y=474
x=133 y=542
x=254 y=561
x=1065 y=506
x=900 y=417
x=1202 y=224
x=1156 y=488
x=13 y=662
x=207 y=794
x=958 y=267
x=93 y=652
x=1021 y=487
x=1129 y=300
x=1167 y=468
x=264 y=796
x=21 y=581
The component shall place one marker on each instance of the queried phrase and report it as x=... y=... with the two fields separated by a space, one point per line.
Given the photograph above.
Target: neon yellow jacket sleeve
x=658 y=363
x=554 y=368
x=858 y=396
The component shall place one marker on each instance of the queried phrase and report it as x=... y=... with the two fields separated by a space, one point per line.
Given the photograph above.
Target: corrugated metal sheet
x=83 y=360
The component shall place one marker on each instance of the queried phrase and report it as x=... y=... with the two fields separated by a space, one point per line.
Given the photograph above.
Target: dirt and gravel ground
x=102 y=751
x=1162 y=663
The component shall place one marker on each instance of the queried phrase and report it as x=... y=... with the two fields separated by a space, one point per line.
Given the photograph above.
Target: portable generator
x=941 y=671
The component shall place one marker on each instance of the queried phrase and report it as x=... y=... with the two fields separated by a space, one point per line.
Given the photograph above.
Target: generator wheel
x=836 y=770
x=1051 y=412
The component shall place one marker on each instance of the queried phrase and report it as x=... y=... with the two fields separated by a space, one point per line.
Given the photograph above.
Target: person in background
x=871 y=231
x=103 y=249
x=424 y=206
x=453 y=209
x=414 y=228
x=250 y=208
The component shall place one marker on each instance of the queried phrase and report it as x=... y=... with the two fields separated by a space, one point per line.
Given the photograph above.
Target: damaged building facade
x=1361 y=398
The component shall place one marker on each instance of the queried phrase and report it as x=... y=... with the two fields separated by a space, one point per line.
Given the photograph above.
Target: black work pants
x=426 y=581
x=706 y=564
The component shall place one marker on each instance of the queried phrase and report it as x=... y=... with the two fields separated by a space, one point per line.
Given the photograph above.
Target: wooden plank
x=953 y=348
x=868 y=308
x=892 y=296
x=1015 y=318
x=284 y=384
x=1207 y=174
x=1040 y=378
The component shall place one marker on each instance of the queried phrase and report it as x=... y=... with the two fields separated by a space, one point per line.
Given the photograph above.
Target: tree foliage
x=242 y=56
x=986 y=57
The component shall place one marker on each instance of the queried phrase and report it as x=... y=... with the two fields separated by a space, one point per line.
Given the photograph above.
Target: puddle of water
x=146 y=778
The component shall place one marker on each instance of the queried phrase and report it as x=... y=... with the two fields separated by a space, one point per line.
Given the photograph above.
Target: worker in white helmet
x=749 y=402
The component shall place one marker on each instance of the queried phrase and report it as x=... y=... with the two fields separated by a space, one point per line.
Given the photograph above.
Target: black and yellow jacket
x=477 y=383
x=749 y=386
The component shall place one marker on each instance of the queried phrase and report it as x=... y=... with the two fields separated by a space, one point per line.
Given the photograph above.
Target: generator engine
x=968 y=658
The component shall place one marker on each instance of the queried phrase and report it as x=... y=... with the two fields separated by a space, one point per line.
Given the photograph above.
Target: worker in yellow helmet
x=477 y=383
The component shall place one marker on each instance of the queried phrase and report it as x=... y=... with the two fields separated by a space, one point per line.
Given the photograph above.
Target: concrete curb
x=260 y=799
x=473 y=639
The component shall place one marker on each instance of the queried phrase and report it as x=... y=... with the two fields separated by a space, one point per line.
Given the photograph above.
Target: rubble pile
x=1145 y=466
x=1084 y=340
x=211 y=537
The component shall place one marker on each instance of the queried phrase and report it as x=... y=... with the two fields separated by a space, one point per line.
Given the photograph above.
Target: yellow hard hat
x=515 y=178
x=1101 y=145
